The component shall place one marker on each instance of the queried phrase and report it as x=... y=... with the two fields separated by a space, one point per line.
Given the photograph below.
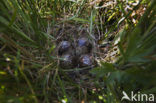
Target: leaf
x=104 y=69
x=81 y=20
x=13 y=17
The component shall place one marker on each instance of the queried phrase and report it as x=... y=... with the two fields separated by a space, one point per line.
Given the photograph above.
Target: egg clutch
x=76 y=54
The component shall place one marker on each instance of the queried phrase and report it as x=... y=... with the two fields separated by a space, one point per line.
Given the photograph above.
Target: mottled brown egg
x=84 y=42
x=66 y=61
x=83 y=46
x=85 y=60
x=63 y=47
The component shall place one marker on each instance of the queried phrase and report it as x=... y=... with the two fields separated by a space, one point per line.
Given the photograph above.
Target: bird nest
x=78 y=50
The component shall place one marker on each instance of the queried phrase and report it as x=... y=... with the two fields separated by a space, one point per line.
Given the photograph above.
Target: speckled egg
x=63 y=47
x=83 y=46
x=85 y=60
x=66 y=61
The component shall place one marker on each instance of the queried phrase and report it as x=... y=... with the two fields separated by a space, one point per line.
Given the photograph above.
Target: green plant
x=135 y=69
x=29 y=70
